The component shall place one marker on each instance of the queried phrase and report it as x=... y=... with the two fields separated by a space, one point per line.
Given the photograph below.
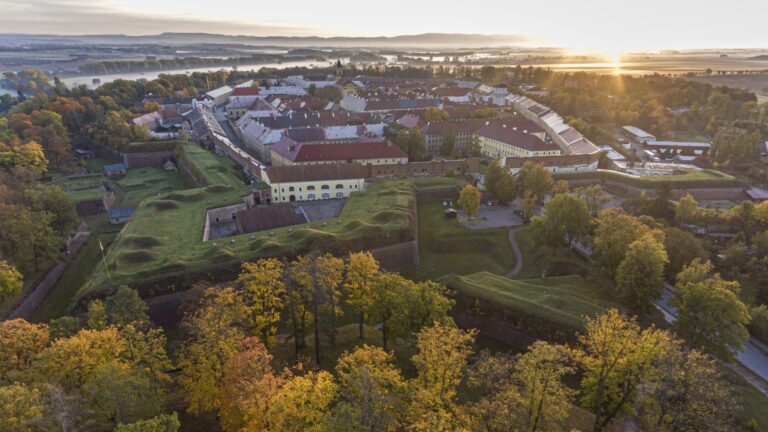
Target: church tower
x=339 y=69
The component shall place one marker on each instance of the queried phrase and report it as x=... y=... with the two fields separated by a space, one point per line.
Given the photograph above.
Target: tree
x=421 y=305
x=57 y=202
x=686 y=210
x=215 y=330
x=303 y=403
x=594 y=196
x=330 y=274
x=248 y=389
x=506 y=189
x=687 y=394
x=435 y=114
x=359 y=282
x=617 y=356
x=300 y=291
x=10 y=281
x=161 y=423
x=564 y=216
x=493 y=175
x=146 y=352
x=440 y=364
x=710 y=315
x=264 y=290
x=614 y=232
x=528 y=204
x=538 y=374
x=20 y=343
x=97 y=315
x=20 y=408
x=500 y=406
x=386 y=302
x=536 y=179
x=448 y=144
x=125 y=306
x=661 y=206
x=640 y=276
x=371 y=391
x=415 y=145
x=682 y=248
x=469 y=201
x=116 y=394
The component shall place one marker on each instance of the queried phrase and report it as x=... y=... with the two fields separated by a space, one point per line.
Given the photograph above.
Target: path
x=516 y=249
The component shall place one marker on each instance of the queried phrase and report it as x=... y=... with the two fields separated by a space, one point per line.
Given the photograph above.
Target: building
x=563 y=163
x=219 y=96
x=305 y=82
x=119 y=216
x=365 y=151
x=464 y=132
x=453 y=94
x=115 y=170
x=350 y=87
x=670 y=149
x=501 y=140
x=244 y=99
x=314 y=182
x=637 y=135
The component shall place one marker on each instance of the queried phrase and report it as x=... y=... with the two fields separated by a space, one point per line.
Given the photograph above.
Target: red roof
x=451 y=91
x=518 y=138
x=380 y=148
x=245 y=91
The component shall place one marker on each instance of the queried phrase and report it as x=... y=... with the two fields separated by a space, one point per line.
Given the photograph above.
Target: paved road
x=516 y=249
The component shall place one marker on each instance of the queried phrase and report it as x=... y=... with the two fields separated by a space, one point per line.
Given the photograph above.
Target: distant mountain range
x=419 y=40
x=760 y=57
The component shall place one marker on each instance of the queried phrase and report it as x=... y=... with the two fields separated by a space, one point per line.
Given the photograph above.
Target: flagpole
x=104 y=259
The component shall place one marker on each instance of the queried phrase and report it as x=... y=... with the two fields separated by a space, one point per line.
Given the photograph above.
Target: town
x=358 y=245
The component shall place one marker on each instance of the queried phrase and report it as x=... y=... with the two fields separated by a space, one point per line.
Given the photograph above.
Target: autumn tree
x=10 y=281
x=492 y=176
x=469 y=201
x=303 y=403
x=640 y=276
x=125 y=307
x=300 y=292
x=371 y=391
x=21 y=407
x=617 y=356
x=161 y=423
x=440 y=365
x=682 y=248
x=687 y=393
x=506 y=189
x=116 y=394
x=614 y=232
x=710 y=315
x=264 y=291
x=97 y=315
x=594 y=197
x=362 y=270
x=20 y=343
x=499 y=406
x=330 y=275
x=215 y=330
x=536 y=179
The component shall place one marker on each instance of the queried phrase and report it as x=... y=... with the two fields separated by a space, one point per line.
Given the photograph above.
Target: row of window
x=311 y=188
x=312 y=197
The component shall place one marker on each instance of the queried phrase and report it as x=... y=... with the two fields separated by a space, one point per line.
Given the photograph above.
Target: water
x=88 y=79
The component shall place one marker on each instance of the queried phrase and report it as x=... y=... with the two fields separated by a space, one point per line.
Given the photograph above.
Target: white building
x=314 y=182
x=219 y=96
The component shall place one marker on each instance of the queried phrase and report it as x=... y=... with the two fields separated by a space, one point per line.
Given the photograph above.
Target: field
x=562 y=299
x=756 y=83
x=445 y=246
x=164 y=238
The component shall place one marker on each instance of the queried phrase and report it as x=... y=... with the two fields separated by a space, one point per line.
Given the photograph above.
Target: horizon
x=600 y=26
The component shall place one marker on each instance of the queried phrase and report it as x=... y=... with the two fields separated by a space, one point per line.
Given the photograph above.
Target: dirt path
x=516 y=249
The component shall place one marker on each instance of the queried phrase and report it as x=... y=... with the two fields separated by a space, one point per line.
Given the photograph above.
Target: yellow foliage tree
x=265 y=290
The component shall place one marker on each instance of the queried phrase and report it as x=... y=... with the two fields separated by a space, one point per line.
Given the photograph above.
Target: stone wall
x=426 y=168
x=145 y=159
x=398 y=256
x=616 y=187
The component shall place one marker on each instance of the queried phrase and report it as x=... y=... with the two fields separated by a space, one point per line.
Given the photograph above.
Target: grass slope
x=445 y=246
x=563 y=299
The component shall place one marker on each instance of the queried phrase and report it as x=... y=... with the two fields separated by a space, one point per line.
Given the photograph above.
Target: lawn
x=564 y=300
x=691 y=179
x=753 y=403
x=538 y=257
x=445 y=246
x=84 y=188
x=164 y=238
x=141 y=183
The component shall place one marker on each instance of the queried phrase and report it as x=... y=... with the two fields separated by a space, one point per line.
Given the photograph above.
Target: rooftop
x=307 y=173
x=362 y=149
x=516 y=137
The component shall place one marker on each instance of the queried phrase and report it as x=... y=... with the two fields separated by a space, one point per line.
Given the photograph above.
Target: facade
x=219 y=96
x=115 y=170
x=464 y=132
x=119 y=215
x=637 y=135
x=563 y=163
x=365 y=151
x=314 y=182
x=500 y=140
x=678 y=148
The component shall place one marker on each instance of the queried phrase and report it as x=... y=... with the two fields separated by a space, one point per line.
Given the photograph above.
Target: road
x=516 y=249
x=753 y=357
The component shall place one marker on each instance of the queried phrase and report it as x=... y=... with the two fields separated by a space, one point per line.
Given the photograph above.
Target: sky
x=602 y=25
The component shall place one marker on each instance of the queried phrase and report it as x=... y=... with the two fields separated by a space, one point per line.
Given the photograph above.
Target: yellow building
x=498 y=141
x=314 y=182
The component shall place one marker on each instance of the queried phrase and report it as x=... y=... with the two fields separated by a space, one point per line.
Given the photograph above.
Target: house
x=501 y=140
x=464 y=132
x=115 y=170
x=757 y=194
x=305 y=82
x=219 y=96
x=314 y=182
x=118 y=216
x=563 y=163
x=637 y=135
x=350 y=87
x=84 y=153
x=453 y=94
x=365 y=151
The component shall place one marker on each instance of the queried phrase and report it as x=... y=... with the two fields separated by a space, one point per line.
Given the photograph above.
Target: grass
x=164 y=237
x=564 y=300
x=85 y=188
x=141 y=183
x=753 y=403
x=538 y=257
x=58 y=301
x=691 y=179
x=445 y=246
x=427 y=183
x=217 y=170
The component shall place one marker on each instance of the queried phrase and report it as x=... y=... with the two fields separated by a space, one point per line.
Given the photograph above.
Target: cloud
x=68 y=17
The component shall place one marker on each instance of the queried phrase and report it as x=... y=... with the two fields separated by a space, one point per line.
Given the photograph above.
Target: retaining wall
x=145 y=159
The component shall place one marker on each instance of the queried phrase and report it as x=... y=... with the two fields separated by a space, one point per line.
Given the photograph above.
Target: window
x=326 y=195
x=311 y=196
x=325 y=187
x=339 y=194
x=309 y=188
x=290 y=189
x=339 y=186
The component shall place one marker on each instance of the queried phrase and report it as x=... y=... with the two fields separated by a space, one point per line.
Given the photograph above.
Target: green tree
x=125 y=306
x=564 y=216
x=640 y=276
x=469 y=201
x=686 y=210
x=97 y=315
x=594 y=196
x=536 y=179
x=116 y=394
x=386 y=302
x=421 y=304
x=710 y=315
x=506 y=189
x=614 y=232
x=448 y=144
x=682 y=248
x=161 y=423
x=493 y=175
